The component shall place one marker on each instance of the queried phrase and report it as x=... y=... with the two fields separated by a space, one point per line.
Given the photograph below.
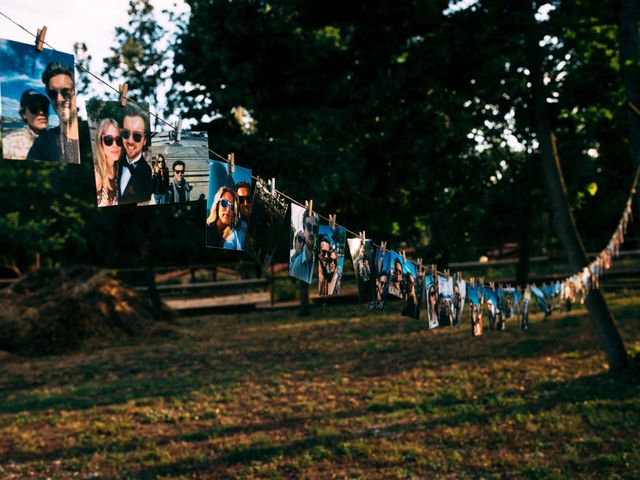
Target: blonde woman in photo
x=108 y=152
x=222 y=220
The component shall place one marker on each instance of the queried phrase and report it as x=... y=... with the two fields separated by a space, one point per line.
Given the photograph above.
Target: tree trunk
x=629 y=39
x=563 y=220
x=304 y=299
x=524 y=255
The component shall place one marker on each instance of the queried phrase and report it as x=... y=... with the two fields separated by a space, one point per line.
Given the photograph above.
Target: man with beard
x=302 y=265
x=243 y=192
x=134 y=172
x=323 y=266
x=59 y=144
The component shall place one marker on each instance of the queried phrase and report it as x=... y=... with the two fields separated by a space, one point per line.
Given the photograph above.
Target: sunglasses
x=224 y=203
x=299 y=239
x=109 y=139
x=37 y=106
x=126 y=133
x=311 y=227
x=324 y=253
x=244 y=199
x=53 y=93
x=432 y=294
x=180 y=172
x=334 y=261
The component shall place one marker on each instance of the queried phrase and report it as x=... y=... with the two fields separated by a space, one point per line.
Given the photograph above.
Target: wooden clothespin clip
x=332 y=221
x=404 y=256
x=419 y=261
x=231 y=158
x=272 y=183
x=308 y=204
x=383 y=247
x=362 y=236
x=42 y=33
x=124 y=90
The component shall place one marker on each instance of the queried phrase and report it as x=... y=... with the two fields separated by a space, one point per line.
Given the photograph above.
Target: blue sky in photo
x=21 y=68
x=410 y=267
x=326 y=230
x=386 y=260
x=219 y=175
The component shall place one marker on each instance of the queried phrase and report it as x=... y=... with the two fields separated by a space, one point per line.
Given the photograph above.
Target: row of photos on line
x=39 y=121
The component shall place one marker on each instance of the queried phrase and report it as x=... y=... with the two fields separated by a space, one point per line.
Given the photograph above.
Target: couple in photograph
x=329 y=272
x=36 y=141
x=122 y=173
x=229 y=217
x=166 y=190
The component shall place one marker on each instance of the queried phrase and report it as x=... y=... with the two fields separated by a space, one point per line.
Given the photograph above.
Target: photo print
x=396 y=279
x=304 y=234
x=500 y=322
x=413 y=288
x=363 y=263
x=475 y=294
x=491 y=302
x=268 y=216
x=228 y=205
x=431 y=289
x=445 y=301
x=332 y=243
x=120 y=142
x=39 y=118
x=381 y=269
x=510 y=309
x=459 y=297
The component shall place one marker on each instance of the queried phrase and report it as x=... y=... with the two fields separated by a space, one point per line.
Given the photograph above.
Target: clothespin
x=272 y=183
x=231 y=158
x=383 y=247
x=362 y=236
x=332 y=221
x=404 y=256
x=308 y=204
x=124 y=89
x=42 y=32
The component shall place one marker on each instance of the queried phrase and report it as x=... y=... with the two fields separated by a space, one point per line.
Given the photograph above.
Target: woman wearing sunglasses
x=160 y=181
x=222 y=220
x=34 y=110
x=108 y=151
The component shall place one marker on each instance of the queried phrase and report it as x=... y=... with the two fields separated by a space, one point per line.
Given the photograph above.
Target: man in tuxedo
x=134 y=171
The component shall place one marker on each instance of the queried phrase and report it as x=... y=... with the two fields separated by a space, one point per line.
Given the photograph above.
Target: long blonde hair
x=213 y=214
x=100 y=163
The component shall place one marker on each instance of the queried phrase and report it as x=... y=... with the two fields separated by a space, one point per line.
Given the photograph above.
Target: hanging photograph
x=304 y=234
x=382 y=265
x=228 y=205
x=491 y=302
x=39 y=118
x=510 y=303
x=459 y=297
x=120 y=142
x=331 y=247
x=431 y=289
x=413 y=288
x=396 y=282
x=475 y=294
x=362 y=257
x=268 y=216
x=445 y=301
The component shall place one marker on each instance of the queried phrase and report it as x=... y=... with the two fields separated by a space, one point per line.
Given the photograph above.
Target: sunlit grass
x=343 y=394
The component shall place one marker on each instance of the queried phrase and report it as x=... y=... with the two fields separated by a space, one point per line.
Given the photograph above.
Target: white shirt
x=126 y=174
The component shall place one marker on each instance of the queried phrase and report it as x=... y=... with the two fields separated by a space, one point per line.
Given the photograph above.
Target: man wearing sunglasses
x=180 y=188
x=134 y=171
x=243 y=192
x=34 y=110
x=302 y=266
x=59 y=144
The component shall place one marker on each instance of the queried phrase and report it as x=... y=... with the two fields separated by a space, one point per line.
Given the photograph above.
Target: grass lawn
x=342 y=394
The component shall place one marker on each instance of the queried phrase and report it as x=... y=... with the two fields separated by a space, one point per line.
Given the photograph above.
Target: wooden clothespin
x=332 y=221
x=124 y=90
x=404 y=256
x=42 y=33
x=272 y=183
x=308 y=204
x=419 y=261
x=383 y=247
x=362 y=236
x=231 y=158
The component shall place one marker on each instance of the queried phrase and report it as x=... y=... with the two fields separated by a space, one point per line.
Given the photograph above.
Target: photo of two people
x=305 y=226
x=228 y=205
x=363 y=263
x=121 y=145
x=331 y=243
x=39 y=118
x=381 y=268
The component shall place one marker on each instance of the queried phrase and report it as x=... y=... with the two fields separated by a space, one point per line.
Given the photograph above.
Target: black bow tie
x=131 y=166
